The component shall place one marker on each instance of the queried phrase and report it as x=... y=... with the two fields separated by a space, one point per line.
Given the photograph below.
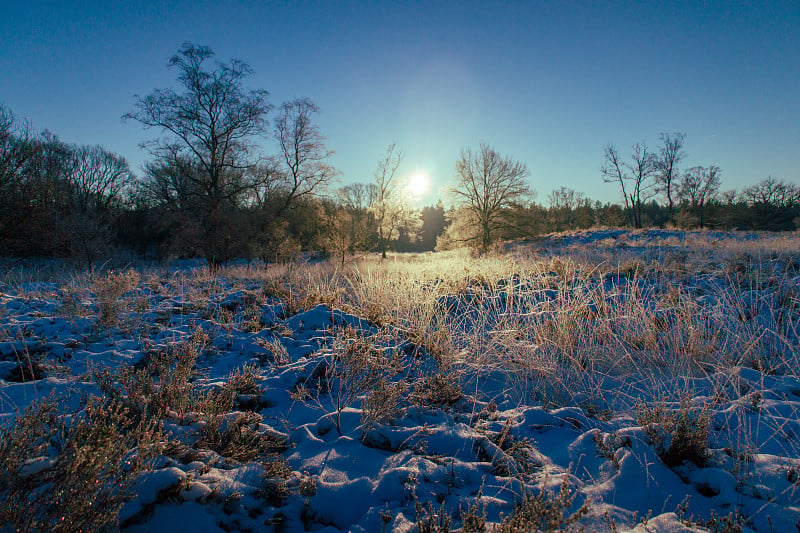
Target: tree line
x=692 y=197
x=213 y=189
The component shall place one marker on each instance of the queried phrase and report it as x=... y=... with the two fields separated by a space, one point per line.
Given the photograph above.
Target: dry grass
x=564 y=324
x=602 y=327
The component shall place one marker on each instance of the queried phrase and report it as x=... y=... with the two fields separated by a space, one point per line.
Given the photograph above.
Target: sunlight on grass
x=678 y=351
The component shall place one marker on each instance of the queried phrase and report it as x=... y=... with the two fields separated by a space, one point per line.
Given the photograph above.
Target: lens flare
x=418 y=185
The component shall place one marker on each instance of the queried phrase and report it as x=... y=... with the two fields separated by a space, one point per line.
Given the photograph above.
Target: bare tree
x=388 y=207
x=772 y=192
x=613 y=170
x=773 y=203
x=489 y=186
x=699 y=186
x=300 y=171
x=16 y=148
x=169 y=183
x=356 y=199
x=642 y=169
x=57 y=198
x=303 y=155
x=46 y=196
x=348 y=225
x=16 y=151
x=637 y=173
x=561 y=198
x=213 y=124
x=670 y=154
x=98 y=177
x=564 y=205
x=339 y=237
x=357 y=196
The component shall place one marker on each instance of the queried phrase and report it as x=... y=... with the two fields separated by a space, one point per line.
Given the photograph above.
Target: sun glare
x=418 y=185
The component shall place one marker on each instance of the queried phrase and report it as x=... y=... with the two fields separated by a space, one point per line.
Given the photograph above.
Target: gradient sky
x=549 y=83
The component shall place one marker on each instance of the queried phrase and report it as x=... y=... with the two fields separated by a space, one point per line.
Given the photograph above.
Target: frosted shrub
x=72 y=301
x=238 y=436
x=277 y=351
x=382 y=404
x=235 y=435
x=438 y=390
x=547 y=511
x=274 y=487
x=243 y=380
x=353 y=370
x=678 y=434
x=109 y=290
x=162 y=387
x=71 y=473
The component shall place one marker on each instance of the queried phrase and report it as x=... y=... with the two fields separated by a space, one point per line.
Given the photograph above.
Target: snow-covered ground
x=614 y=380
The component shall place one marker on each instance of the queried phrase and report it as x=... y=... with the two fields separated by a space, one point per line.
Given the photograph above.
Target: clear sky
x=549 y=83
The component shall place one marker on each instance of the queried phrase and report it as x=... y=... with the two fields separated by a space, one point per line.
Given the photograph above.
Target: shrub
x=277 y=350
x=72 y=297
x=431 y=521
x=544 y=512
x=109 y=290
x=274 y=487
x=438 y=390
x=354 y=369
x=162 y=386
x=520 y=457
x=253 y=321
x=243 y=380
x=71 y=473
x=473 y=519
x=382 y=404
x=237 y=436
x=678 y=434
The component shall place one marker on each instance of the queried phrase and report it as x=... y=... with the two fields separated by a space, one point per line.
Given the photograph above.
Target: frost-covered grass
x=609 y=380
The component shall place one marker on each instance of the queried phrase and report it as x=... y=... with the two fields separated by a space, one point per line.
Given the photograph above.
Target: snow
x=512 y=433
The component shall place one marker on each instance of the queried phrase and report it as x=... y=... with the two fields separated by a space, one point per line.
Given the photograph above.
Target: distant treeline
x=84 y=202
x=211 y=191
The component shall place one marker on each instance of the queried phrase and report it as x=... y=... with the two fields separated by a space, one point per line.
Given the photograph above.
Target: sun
x=418 y=185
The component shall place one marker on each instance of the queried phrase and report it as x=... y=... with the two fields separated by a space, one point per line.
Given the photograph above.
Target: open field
x=611 y=380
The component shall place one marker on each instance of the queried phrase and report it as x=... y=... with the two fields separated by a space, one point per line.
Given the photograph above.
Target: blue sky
x=549 y=83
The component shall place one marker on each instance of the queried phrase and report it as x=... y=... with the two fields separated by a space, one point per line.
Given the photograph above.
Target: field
x=609 y=380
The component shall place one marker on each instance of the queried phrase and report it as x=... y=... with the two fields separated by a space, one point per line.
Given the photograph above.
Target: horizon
x=548 y=86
